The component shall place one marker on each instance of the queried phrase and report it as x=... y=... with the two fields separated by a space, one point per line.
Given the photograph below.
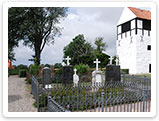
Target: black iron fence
x=132 y=94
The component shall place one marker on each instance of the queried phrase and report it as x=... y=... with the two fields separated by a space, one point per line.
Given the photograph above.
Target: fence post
x=38 y=98
x=144 y=93
x=102 y=97
x=48 y=100
x=123 y=77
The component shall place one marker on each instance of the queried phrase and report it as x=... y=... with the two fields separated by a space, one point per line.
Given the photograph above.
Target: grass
x=143 y=75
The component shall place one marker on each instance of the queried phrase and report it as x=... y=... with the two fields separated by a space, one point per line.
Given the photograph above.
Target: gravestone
x=67 y=72
x=75 y=78
x=46 y=76
x=112 y=71
x=97 y=75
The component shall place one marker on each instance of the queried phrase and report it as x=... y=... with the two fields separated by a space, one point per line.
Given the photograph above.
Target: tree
x=58 y=65
x=11 y=54
x=36 y=26
x=79 y=50
x=101 y=46
x=104 y=59
x=14 y=32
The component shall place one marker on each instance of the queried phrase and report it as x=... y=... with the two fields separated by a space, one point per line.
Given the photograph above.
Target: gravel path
x=19 y=97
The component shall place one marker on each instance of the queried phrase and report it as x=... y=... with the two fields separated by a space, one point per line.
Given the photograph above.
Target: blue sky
x=91 y=22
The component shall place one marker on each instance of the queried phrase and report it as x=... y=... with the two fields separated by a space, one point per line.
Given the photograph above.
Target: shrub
x=14 y=71
x=21 y=66
x=58 y=72
x=58 y=65
x=22 y=73
x=124 y=71
x=47 y=65
x=82 y=68
x=17 y=69
x=34 y=70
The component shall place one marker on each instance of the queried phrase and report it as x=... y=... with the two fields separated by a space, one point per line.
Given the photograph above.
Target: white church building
x=134 y=40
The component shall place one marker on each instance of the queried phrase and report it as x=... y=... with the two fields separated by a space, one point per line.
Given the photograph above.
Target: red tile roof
x=145 y=14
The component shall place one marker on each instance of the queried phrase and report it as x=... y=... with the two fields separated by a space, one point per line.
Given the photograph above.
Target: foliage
x=82 y=68
x=34 y=70
x=21 y=66
x=101 y=46
x=58 y=72
x=16 y=69
x=124 y=71
x=11 y=54
x=47 y=65
x=37 y=26
x=22 y=73
x=144 y=75
x=79 y=50
x=104 y=59
x=28 y=80
x=83 y=95
x=58 y=65
x=114 y=58
x=57 y=78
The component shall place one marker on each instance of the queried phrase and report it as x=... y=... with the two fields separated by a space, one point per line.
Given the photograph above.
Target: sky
x=91 y=22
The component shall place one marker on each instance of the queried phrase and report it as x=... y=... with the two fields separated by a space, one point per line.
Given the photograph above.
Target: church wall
x=127 y=53
x=143 y=56
x=132 y=44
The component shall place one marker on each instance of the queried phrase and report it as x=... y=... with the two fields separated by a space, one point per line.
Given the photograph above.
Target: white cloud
x=92 y=22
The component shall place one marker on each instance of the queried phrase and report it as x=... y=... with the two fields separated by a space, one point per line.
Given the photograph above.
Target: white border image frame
x=79 y=4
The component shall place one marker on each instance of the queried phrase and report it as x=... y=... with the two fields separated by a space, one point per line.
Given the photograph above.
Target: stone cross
x=111 y=59
x=75 y=70
x=67 y=59
x=63 y=64
x=96 y=62
x=117 y=61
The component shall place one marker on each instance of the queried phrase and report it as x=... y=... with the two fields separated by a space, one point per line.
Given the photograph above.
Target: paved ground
x=19 y=97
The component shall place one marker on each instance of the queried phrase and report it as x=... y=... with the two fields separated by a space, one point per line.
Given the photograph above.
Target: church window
x=125 y=27
x=149 y=68
x=146 y=24
x=148 y=47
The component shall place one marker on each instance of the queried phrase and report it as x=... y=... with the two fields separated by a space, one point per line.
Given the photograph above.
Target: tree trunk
x=37 y=55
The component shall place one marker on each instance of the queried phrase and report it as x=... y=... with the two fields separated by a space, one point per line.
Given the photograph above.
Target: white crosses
x=117 y=61
x=67 y=59
x=63 y=64
x=111 y=59
x=97 y=64
x=75 y=70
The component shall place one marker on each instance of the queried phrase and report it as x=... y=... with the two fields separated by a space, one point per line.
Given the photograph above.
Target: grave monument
x=67 y=72
x=113 y=71
x=97 y=75
x=75 y=78
x=46 y=77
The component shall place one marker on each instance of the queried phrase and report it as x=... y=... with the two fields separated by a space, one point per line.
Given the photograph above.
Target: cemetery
x=85 y=79
x=115 y=93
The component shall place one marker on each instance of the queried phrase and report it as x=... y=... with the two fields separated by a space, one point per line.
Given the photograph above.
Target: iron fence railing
x=131 y=94
x=35 y=90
